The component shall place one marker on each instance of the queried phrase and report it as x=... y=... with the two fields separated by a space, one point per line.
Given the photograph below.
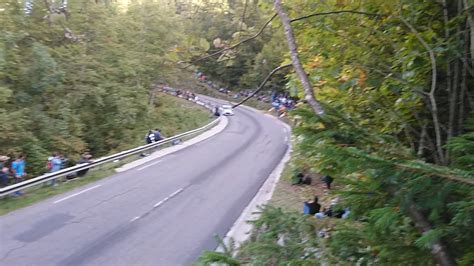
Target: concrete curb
x=241 y=229
x=161 y=153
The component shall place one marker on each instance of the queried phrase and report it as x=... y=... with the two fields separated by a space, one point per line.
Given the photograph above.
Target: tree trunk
x=431 y=95
x=451 y=80
x=453 y=99
x=470 y=21
x=438 y=249
x=290 y=38
x=421 y=145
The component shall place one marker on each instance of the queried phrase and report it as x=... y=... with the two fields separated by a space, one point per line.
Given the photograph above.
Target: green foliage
x=83 y=82
x=462 y=148
x=224 y=257
x=208 y=258
x=400 y=161
x=279 y=238
x=211 y=30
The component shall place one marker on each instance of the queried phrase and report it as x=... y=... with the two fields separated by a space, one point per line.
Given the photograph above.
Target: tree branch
x=337 y=12
x=268 y=22
x=435 y=172
x=438 y=249
x=262 y=84
x=290 y=38
x=237 y=44
x=434 y=106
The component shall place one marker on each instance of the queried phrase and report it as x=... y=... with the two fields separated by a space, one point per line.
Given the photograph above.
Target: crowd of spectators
x=280 y=102
x=313 y=207
x=333 y=210
x=186 y=94
x=13 y=171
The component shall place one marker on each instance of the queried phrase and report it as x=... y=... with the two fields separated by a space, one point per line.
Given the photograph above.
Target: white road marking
x=168 y=197
x=78 y=193
x=134 y=219
x=158 y=204
x=176 y=192
x=146 y=166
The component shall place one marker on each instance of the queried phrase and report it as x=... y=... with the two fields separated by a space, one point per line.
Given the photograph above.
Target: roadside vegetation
x=385 y=107
x=175 y=116
x=388 y=113
x=79 y=78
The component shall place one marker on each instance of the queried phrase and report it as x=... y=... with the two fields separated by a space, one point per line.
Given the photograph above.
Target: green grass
x=174 y=116
x=291 y=197
x=287 y=196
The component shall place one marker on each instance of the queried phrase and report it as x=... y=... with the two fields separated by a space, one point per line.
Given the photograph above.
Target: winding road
x=165 y=212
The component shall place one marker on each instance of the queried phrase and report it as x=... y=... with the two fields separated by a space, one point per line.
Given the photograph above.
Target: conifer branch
x=262 y=84
x=434 y=172
x=418 y=167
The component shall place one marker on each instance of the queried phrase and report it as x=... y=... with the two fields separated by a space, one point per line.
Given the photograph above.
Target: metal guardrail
x=70 y=170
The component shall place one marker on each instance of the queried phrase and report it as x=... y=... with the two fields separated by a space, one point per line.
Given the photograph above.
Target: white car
x=226 y=110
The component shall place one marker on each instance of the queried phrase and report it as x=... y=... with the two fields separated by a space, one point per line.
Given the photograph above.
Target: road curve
x=165 y=212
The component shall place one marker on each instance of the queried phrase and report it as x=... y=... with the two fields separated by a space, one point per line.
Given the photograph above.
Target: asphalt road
x=165 y=212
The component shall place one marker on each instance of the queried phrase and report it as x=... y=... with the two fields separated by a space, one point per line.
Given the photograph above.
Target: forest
x=386 y=105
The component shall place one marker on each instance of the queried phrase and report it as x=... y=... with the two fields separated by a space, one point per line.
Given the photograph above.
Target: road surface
x=165 y=212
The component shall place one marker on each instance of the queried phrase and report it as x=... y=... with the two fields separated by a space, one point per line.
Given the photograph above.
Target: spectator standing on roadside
x=56 y=164
x=216 y=111
x=4 y=171
x=49 y=163
x=18 y=168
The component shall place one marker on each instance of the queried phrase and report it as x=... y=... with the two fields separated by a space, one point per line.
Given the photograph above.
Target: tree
x=392 y=79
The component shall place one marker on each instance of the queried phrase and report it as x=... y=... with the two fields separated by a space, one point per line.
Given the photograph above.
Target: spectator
x=346 y=213
x=299 y=178
x=85 y=159
x=4 y=171
x=18 y=168
x=157 y=133
x=321 y=214
x=216 y=111
x=339 y=213
x=56 y=165
x=328 y=211
x=311 y=207
x=150 y=137
x=328 y=180
x=65 y=162
x=49 y=163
